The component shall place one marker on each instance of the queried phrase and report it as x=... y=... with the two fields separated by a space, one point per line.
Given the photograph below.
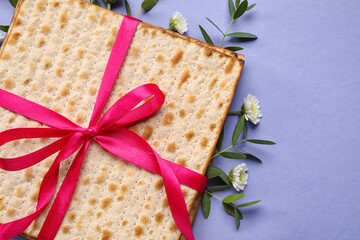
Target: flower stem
x=109 y=6
x=226 y=32
x=234 y=113
x=138 y=12
x=218 y=197
x=228 y=148
x=213 y=195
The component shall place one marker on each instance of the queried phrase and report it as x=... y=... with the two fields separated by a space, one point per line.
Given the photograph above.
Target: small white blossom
x=178 y=22
x=239 y=177
x=1 y=36
x=251 y=109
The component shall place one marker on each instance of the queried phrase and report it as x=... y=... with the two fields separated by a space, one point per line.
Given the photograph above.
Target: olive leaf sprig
x=239 y=128
x=146 y=5
x=229 y=201
x=236 y=11
x=250 y=111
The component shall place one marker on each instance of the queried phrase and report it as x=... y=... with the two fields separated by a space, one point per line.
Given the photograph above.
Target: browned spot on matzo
x=171 y=147
x=189 y=135
x=14 y=37
x=40 y=4
x=8 y=83
x=159 y=58
x=212 y=82
x=159 y=216
x=63 y=18
x=106 y=234
x=177 y=57
x=138 y=231
x=45 y=29
x=190 y=98
x=229 y=66
x=200 y=112
x=183 y=77
x=207 y=52
x=204 y=142
x=168 y=118
x=159 y=184
x=105 y=203
x=148 y=131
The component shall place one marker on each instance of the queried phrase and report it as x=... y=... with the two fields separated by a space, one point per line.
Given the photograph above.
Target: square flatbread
x=55 y=54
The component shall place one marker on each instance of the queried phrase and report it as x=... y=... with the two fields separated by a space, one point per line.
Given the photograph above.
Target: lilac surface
x=304 y=69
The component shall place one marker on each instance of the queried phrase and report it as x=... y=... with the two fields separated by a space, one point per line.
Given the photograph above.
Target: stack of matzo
x=55 y=54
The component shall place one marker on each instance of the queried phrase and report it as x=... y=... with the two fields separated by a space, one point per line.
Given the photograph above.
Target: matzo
x=55 y=54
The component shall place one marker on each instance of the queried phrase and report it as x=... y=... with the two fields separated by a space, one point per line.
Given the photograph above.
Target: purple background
x=304 y=69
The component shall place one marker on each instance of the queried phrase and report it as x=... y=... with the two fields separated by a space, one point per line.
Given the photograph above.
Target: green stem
x=138 y=13
x=228 y=148
x=234 y=113
x=213 y=195
x=109 y=6
x=226 y=32
x=217 y=197
x=242 y=150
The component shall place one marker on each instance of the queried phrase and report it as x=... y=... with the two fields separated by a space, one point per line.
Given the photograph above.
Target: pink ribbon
x=110 y=132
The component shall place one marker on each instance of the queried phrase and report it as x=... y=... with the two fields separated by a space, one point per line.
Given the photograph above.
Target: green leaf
x=225 y=178
x=229 y=208
x=247 y=154
x=237 y=3
x=233 y=198
x=259 y=141
x=128 y=9
x=218 y=188
x=205 y=35
x=220 y=140
x=213 y=172
x=253 y=156
x=237 y=218
x=206 y=204
x=245 y=130
x=238 y=128
x=149 y=4
x=4 y=28
x=233 y=155
x=251 y=6
x=214 y=25
x=249 y=204
x=242 y=35
x=231 y=9
x=234 y=48
x=13 y=3
x=96 y=2
x=241 y=9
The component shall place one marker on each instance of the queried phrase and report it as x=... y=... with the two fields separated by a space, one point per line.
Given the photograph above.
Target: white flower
x=178 y=22
x=1 y=36
x=251 y=109
x=239 y=177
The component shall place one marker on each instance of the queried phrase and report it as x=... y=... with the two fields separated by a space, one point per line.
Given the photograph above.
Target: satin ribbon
x=110 y=131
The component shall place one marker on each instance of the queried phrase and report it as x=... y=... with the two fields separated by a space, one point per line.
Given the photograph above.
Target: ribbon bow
x=110 y=131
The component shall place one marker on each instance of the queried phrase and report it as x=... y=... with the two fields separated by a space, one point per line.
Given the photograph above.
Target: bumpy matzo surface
x=55 y=55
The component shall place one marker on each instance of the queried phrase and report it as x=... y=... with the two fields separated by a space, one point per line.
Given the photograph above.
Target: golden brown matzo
x=55 y=54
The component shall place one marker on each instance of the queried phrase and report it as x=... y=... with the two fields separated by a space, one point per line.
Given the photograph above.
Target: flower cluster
x=178 y=23
x=251 y=109
x=239 y=177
